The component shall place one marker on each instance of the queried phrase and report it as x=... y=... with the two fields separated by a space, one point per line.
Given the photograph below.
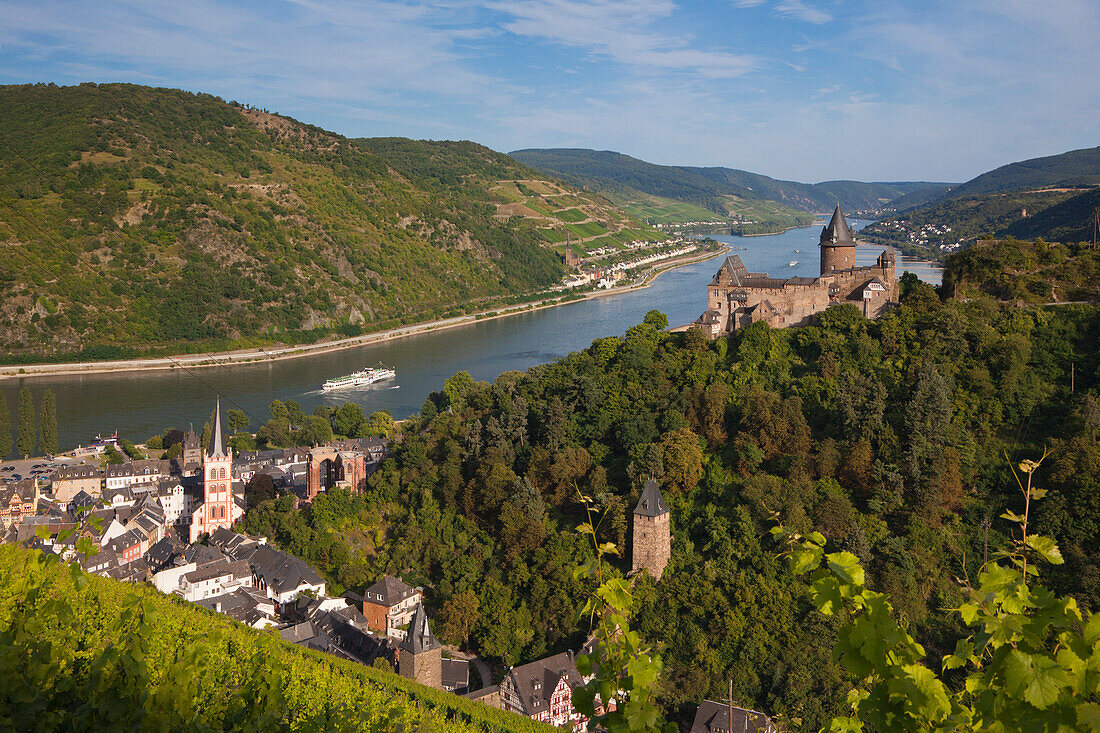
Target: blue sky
x=806 y=90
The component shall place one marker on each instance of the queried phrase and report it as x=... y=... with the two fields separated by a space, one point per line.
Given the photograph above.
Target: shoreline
x=253 y=356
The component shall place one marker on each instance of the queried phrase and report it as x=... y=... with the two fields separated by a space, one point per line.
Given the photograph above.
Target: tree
x=380 y=424
x=682 y=457
x=260 y=488
x=278 y=410
x=458 y=616
x=1029 y=664
x=317 y=431
x=347 y=419
x=237 y=420
x=25 y=441
x=49 y=423
x=5 y=426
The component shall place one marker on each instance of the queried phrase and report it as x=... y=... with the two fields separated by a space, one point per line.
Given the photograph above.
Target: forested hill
x=709 y=186
x=141 y=217
x=1073 y=168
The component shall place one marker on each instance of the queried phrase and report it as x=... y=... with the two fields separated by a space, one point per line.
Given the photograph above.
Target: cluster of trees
x=32 y=430
x=888 y=437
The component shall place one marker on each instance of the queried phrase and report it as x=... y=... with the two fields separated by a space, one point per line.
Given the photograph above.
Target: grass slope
x=154 y=220
x=96 y=654
x=1075 y=167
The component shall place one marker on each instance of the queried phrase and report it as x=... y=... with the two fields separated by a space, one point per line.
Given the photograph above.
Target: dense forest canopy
x=889 y=437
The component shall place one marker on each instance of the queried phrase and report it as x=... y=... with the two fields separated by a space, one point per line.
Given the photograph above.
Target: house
x=82 y=500
x=136 y=473
x=543 y=691
x=389 y=605
x=714 y=717
x=284 y=577
x=245 y=605
x=67 y=481
x=456 y=676
x=215 y=579
x=18 y=500
x=308 y=635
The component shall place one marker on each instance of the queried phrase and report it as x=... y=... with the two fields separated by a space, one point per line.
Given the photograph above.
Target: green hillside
x=710 y=187
x=87 y=653
x=1068 y=221
x=949 y=225
x=1073 y=168
x=156 y=220
x=1035 y=272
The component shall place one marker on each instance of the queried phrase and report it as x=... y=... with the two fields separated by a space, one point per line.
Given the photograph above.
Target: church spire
x=217 y=445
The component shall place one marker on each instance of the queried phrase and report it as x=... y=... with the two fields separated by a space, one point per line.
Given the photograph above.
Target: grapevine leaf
x=1046 y=547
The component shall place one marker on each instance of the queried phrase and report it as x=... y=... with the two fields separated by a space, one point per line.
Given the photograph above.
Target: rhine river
x=142 y=404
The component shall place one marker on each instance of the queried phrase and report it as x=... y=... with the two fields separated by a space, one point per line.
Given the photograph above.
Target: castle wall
x=425 y=668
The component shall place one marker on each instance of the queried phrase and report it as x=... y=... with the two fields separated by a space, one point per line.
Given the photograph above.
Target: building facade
x=219 y=507
x=543 y=691
x=388 y=606
x=737 y=298
x=652 y=537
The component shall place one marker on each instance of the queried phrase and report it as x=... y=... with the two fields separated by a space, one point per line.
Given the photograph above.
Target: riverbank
x=252 y=356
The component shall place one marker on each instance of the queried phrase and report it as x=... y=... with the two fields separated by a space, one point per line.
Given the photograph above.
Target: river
x=142 y=404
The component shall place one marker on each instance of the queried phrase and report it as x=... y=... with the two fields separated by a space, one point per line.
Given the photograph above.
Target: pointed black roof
x=652 y=503
x=837 y=231
x=419 y=637
x=217 y=445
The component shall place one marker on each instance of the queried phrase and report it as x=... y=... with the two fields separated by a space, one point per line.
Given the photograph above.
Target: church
x=222 y=503
x=737 y=298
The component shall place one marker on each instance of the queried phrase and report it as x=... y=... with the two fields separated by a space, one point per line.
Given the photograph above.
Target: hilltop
x=721 y=190
x=1052 y=198
x=1034 y=272
x=156 y=220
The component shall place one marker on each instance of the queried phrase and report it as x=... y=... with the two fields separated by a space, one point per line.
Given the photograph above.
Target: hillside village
x=169 y=523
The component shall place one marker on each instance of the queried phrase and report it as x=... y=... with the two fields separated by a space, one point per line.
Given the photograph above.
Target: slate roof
x=139 y=468
x=734 y=273
x=714 y=717
x=308 y=635
x=79 y=471
x=388 y=591
x=456 y=675
x=217 y=445
x=652 y=502
x=162 y=553
x=279 y=571
x=419 y=637
x=232 y=568
x=535 y=682
x=837 y=230
x=201 y=554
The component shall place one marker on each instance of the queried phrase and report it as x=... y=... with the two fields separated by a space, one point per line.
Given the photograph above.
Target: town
x=169 y=523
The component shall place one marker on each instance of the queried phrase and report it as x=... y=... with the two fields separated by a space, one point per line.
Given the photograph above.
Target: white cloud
x=801 y=11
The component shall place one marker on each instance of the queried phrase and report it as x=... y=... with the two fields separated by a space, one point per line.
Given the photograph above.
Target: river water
x=142 y=404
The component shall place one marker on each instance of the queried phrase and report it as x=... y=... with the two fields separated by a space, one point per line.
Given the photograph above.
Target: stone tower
x=420 y=654
x=652 y=545
x=838 y=246
x=192 y=451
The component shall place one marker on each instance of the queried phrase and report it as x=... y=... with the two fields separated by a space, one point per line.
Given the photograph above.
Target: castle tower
x=420 y=654
x=217 y=472
x=838 y=246
x=192 y=451
x=652 y=546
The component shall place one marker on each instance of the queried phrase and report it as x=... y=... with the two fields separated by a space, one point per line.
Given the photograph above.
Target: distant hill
x=1073 y=168
x=1068 y=221
x=710 y=187
x=148 y=220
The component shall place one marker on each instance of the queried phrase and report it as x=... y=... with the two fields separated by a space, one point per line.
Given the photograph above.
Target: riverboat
x=792 y=263
x=363 y=377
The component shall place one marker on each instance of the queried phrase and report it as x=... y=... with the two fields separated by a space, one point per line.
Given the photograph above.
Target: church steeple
x=217 y=445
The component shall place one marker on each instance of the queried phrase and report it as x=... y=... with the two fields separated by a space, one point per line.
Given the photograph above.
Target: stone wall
x=652 y=546
x=425 y=668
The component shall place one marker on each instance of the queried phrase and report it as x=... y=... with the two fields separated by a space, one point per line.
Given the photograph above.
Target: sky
x=805 y=90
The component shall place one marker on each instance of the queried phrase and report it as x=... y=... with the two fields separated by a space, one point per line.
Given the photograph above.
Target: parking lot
x=33 y=468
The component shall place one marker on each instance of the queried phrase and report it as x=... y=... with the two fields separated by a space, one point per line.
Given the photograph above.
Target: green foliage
x=5 y=426
x=237 y=421
x=83 y=652
x=1028 y=271
x=131 y=450
x=380 y=424
x=1031 y=661
x=48 y=424
x=25 y=440
x=623 y=667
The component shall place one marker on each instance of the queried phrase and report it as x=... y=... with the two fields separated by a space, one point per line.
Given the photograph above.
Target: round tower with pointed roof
x=838 y=246
x=652 y=546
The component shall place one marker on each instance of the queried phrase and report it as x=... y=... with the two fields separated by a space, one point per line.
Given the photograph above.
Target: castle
x=652 y=547
x=737 y=298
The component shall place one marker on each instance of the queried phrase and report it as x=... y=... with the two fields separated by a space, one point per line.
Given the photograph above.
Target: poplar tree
x=24 y=442
x=48 y=438
x=5 y=426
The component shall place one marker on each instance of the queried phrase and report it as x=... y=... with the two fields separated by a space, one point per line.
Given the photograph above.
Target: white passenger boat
x=363 y=377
